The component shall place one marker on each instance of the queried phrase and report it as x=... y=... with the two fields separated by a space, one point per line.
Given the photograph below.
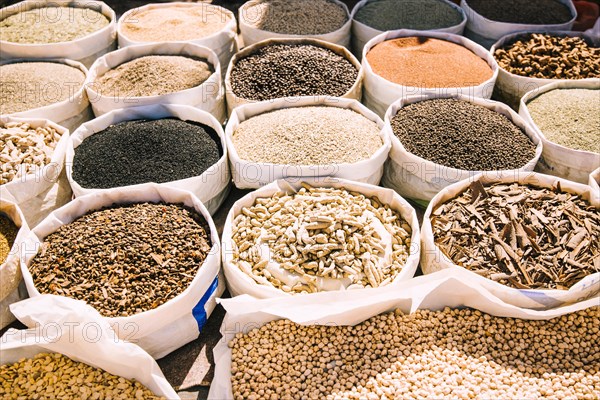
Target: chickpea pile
x=458 y=354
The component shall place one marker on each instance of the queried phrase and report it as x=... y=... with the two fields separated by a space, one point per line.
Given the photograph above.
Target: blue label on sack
x=199 y=312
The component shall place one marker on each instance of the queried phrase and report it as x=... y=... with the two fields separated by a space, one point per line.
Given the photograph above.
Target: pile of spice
x=538 y=12
x=175 y=23
x=124 y=260
x=453 y=353
x=462 y=135
x=135 y=152
x=320 y=239
x=53 y=375
x=153 y=76
x=307 y=136
x=29 y=85
x=51 y=25
x=8 y=234
x=282 y=70
x=519 y=235
x=25 y=150
x=569 y=117
x=428 y=63
x=539 y=55
x=389 y=15
x=298 y=17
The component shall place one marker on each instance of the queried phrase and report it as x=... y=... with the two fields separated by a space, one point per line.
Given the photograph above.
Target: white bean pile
x=24 y=150
x=320 y=239
x=450 y=354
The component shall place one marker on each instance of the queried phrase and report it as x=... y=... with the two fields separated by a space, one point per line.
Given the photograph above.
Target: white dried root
x=318 y=234
x=55 y=376
x=25 y=150
x=449 y=354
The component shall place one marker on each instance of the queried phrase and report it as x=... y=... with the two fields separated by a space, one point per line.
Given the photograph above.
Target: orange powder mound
x=428 y=62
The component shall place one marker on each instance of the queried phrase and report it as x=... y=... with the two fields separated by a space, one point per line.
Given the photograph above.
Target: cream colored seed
x=458 y=354
x=57 y=376
x=320 y=232
x=24 y=150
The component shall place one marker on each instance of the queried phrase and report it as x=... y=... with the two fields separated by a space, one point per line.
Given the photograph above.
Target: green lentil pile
x=389 y=15
x=153 y=76
x=51 y=25
x=124 y=260
x=29 y=85
x=55 y=376
x=283 y=70
x=307 y=136
x=298 y=17
x=8 y=234
x=569 y=117
x=462 y=135
x=453 y=353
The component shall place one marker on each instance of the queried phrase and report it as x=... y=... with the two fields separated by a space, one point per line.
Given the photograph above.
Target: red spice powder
x=428 y=62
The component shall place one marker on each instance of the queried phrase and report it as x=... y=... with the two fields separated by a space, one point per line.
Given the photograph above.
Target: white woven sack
x=511 y=87
x=212 y=187
x=239 y=283
x=223 y=42
x=233 y=100
x=595 y=184
x=76 y=330
x=252 y=175
x=84 y=50
x=10 y=273
x=208 y=96
x=455 y=289
x=433 y=260
x=68 y=113
x=571 y=164
x=379 y=93
x=362 y=33
x=420 y=179
x=486 y=32
x=251 y=34
x=172 y=324
x=27 y=187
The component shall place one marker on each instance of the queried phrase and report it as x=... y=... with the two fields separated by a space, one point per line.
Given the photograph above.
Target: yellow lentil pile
x=55 y=376
x=449 y=354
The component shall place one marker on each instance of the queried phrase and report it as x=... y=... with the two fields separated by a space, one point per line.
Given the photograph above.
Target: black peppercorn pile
x=461 y=135
x=123 y=260
x=536 y=12
x=292 y=70
x=135 y=152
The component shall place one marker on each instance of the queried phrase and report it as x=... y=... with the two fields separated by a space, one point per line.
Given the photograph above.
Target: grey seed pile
x=389 y=15
x=51 y=25
x=448 y=354
x=292 y=70
x=56 y=376
x=462 y=135
x=538 y=12
x=123 y=260
x=569 y=117
x=153 y=76
x=135 y=152
x=297 y=17
x=307 y=136
x=29 y=85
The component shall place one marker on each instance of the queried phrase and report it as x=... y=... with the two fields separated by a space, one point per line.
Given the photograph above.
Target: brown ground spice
x=428 y=62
